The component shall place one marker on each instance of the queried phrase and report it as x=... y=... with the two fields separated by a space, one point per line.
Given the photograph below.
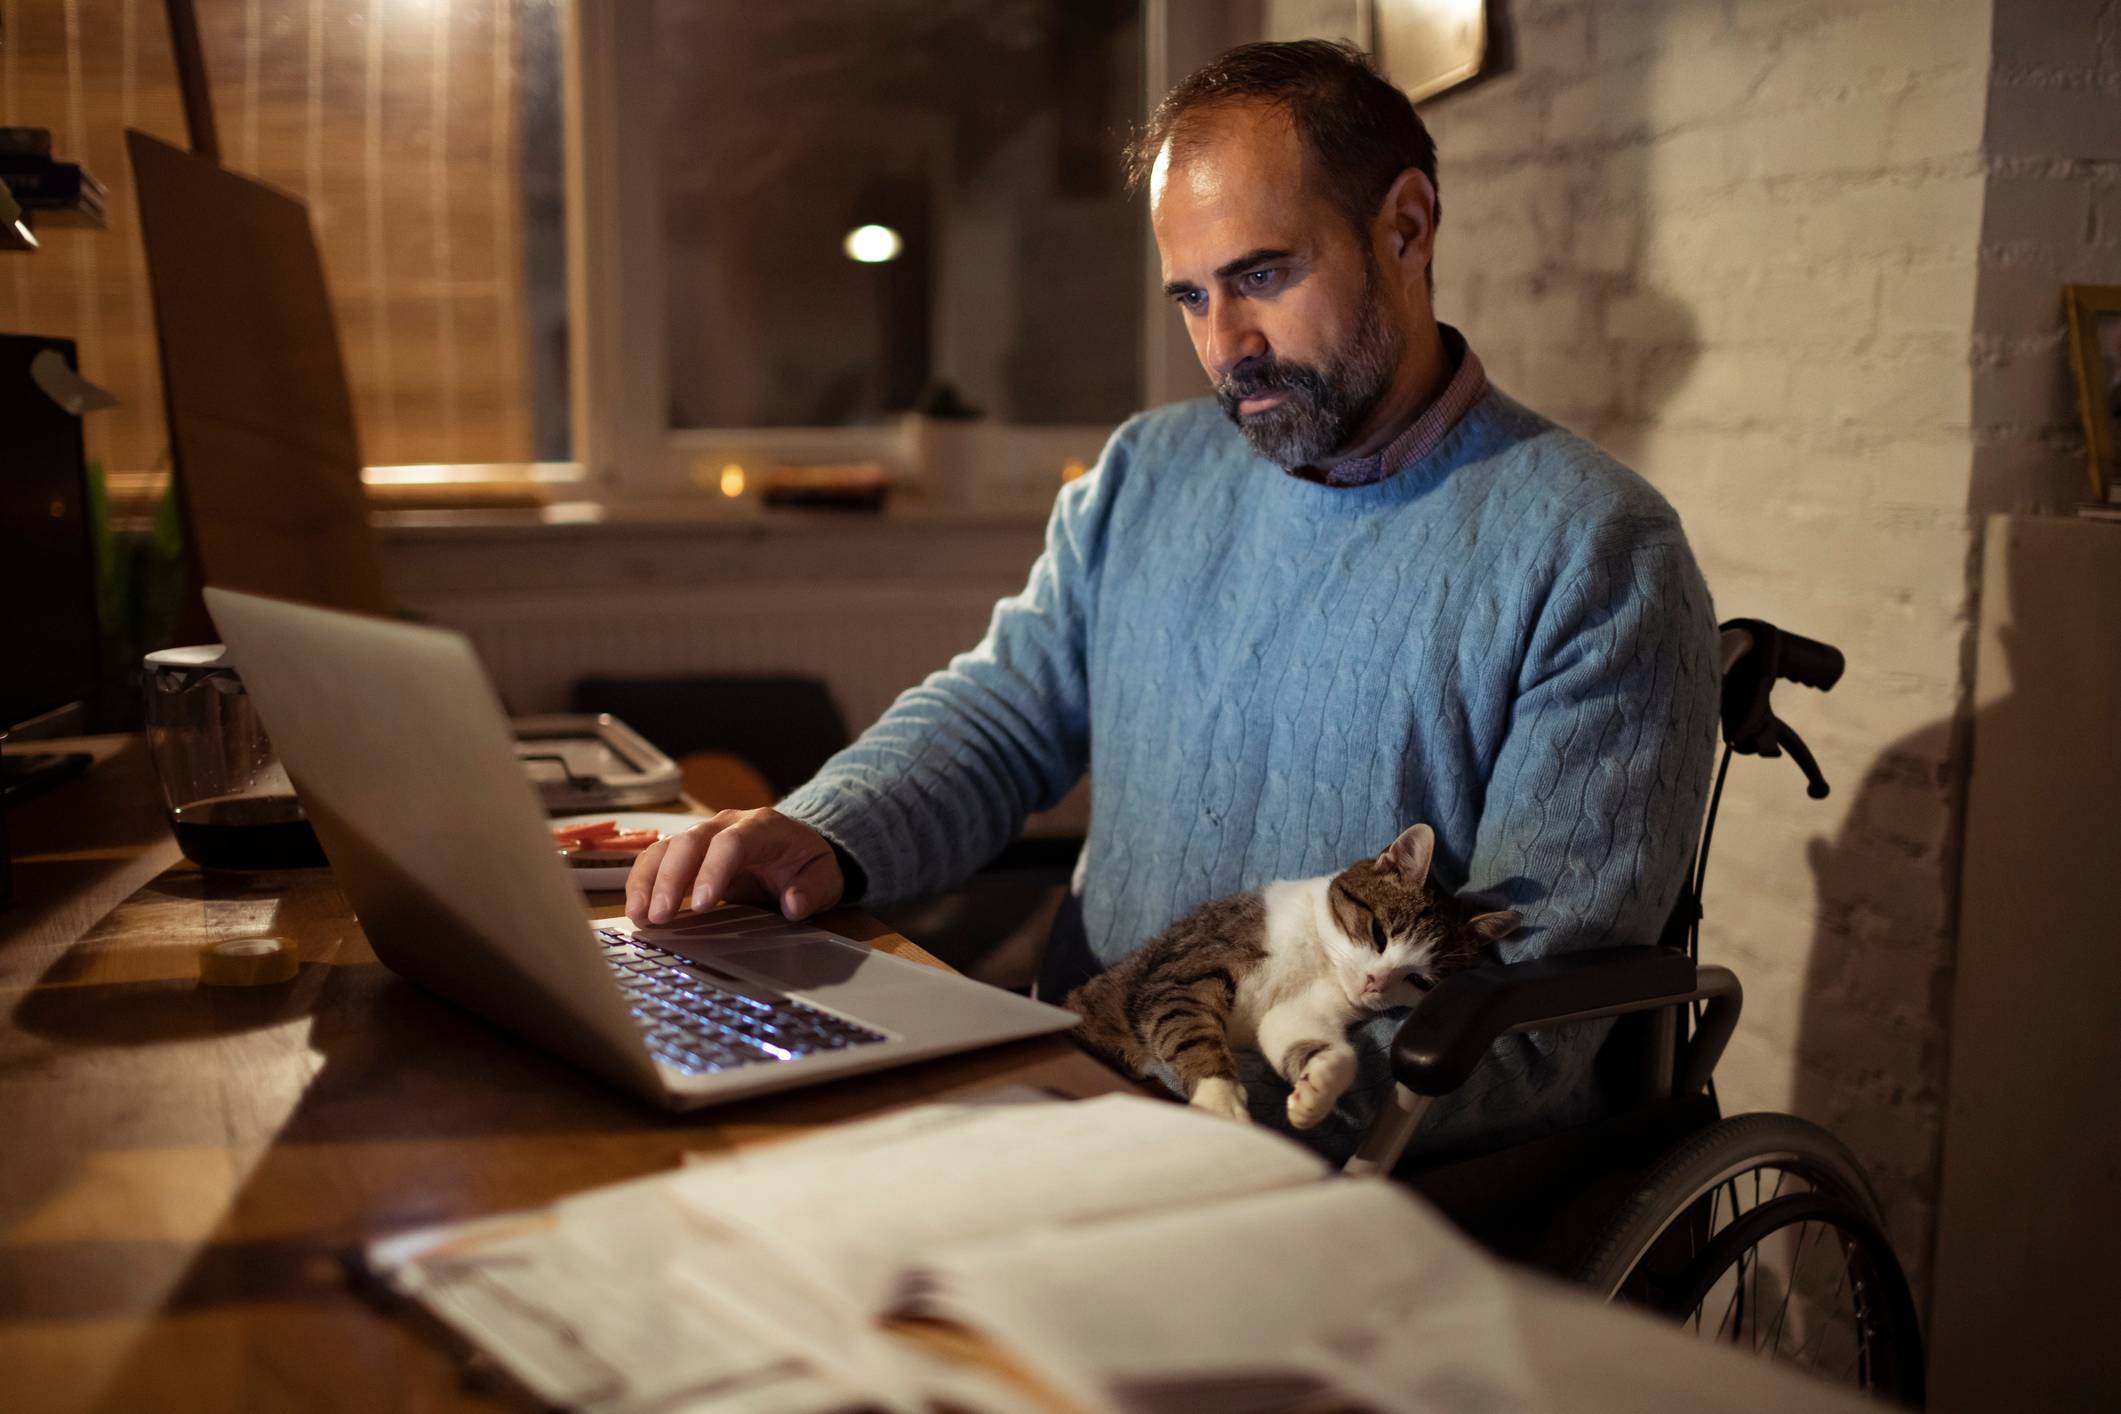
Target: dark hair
x=1359 y=129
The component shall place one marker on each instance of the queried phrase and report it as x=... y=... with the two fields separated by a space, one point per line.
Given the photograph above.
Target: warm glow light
x=872 y=245
x=1071 y=469
x=732 y=480
x=22 y=233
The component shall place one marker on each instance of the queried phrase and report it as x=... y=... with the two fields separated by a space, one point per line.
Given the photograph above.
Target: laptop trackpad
x=799 y=964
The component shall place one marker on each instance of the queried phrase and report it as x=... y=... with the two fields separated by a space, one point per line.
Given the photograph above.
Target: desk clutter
x=1116 y=1253
x=593 y=761
x=233 y=805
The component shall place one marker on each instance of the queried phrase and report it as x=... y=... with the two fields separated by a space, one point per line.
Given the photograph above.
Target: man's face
x=1287 y=308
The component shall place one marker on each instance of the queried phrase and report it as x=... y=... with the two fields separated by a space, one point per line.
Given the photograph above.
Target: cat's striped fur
x=1284 y=970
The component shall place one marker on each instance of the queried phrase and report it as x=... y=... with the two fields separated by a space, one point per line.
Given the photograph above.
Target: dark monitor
x=50 y=653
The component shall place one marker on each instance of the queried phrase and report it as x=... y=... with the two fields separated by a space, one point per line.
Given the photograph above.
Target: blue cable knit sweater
x=1268 y=678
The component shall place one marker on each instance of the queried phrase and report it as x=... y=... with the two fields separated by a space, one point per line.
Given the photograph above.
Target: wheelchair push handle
x=1809 y=662
x=1756 y=654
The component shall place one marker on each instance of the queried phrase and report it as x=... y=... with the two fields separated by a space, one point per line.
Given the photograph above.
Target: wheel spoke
x=1731 y=1304
x=1788 y=1290
x=1738 y=1300
x=1833 y=1304
x=1753 y=1302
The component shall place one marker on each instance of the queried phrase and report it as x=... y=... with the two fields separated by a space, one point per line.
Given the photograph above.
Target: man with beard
x=1359 y=589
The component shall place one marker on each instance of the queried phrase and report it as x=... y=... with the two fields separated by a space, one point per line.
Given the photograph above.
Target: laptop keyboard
x=699 y=1027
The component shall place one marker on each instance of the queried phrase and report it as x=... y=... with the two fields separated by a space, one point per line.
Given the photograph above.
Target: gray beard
x=1323 y=409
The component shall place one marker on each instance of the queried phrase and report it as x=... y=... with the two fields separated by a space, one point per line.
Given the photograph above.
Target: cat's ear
x=1411 y=854
x=1495 y=926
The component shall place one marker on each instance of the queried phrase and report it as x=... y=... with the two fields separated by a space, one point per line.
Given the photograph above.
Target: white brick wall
x=1743 y=247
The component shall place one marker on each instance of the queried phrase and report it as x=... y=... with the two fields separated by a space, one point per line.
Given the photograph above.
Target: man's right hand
x=737 y=856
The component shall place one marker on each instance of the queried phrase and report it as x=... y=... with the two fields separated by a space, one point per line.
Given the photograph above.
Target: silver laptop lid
x=405 y=763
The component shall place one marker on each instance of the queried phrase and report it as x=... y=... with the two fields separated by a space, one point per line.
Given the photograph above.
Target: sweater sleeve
x=1594 y=802
x=946 y=776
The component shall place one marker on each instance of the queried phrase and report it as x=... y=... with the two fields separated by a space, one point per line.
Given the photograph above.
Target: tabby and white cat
x=1284 y=970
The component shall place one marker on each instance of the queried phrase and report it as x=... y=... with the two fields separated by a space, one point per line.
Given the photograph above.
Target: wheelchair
x=1758 y=1230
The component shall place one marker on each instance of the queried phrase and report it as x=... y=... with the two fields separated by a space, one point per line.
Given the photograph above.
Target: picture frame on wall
x=1429 y=46
x=2095 y=358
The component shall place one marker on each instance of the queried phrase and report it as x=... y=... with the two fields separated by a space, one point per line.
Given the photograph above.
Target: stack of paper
x=1130 y=1254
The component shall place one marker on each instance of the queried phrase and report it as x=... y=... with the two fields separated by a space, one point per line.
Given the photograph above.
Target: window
x=726 y=314
x=424 y=135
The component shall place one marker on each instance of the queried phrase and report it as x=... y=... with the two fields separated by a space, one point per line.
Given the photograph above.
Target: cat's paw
x=1221 y=1097
x=1326 y=1077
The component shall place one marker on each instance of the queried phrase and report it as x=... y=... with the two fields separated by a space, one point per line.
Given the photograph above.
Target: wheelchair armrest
x=1452 y=1026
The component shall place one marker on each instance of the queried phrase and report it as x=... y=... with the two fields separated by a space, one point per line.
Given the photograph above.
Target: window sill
x=692 y=516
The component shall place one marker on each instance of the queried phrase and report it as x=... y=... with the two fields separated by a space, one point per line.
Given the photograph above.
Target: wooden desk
x=185 y=1165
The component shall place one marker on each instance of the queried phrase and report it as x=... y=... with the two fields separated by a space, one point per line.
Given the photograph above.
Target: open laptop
x=406 y=766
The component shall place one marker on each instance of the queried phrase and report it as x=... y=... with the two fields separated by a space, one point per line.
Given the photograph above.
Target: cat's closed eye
x=1377 y=932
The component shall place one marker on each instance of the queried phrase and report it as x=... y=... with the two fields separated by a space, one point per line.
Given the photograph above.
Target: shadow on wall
x=1874 y=1039
x=1875 y=1008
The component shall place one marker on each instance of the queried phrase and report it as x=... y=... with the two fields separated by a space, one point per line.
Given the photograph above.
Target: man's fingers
x=747 y=856
x=730 y=854
x=815 y=886
x=640 y=880
x=681 y=860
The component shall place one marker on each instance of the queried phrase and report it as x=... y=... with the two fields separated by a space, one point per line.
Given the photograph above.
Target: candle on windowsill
x=728 y=485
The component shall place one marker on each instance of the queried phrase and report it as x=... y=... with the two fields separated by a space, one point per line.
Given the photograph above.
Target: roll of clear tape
x=248 y=962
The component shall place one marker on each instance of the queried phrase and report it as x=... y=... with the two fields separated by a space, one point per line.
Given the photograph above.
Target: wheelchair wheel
x=1763 y=1232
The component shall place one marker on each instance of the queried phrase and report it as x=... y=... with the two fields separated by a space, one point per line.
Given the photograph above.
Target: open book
x=1129 y=1253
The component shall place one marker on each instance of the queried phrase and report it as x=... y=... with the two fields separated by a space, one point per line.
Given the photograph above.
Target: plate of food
x=599 y=849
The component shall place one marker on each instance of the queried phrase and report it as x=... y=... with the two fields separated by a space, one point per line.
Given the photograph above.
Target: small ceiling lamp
x=872 y=245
